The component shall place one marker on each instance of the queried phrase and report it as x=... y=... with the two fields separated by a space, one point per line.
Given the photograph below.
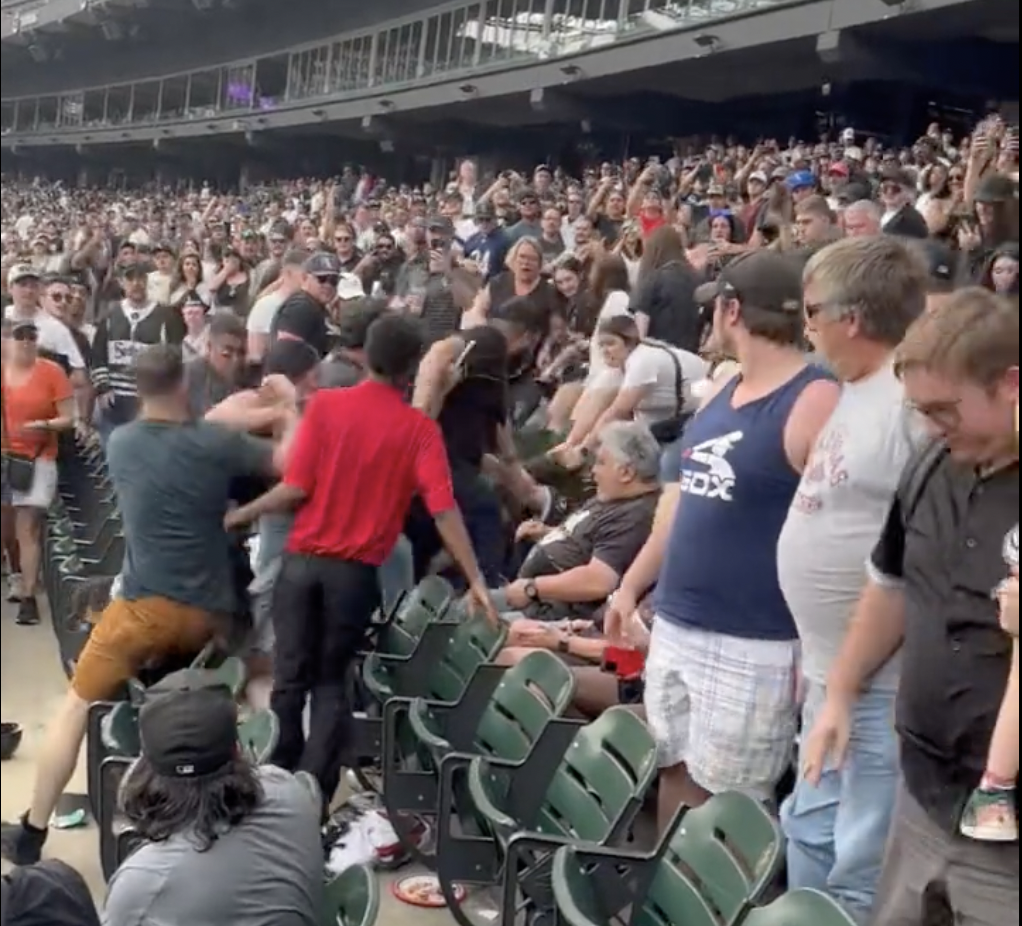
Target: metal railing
x=392 y=56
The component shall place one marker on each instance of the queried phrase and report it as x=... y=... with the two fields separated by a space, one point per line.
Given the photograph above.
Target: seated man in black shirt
x=573 y=569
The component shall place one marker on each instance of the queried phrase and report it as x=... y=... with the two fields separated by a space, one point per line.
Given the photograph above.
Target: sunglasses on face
x=25 y=335
x=344 y=239
x=328 y=280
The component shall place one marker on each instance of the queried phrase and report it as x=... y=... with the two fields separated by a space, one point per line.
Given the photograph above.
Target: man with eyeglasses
x=304 y=316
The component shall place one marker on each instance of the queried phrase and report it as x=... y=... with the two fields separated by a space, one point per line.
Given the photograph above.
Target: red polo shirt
x=360 y=456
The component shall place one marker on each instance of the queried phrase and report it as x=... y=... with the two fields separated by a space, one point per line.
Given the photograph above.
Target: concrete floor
x=31 y=686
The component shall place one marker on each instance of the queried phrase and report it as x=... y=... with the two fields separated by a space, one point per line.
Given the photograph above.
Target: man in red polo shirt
x=355 y=462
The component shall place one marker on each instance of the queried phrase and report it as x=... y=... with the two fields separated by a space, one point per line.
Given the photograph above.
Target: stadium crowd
x=751 y=411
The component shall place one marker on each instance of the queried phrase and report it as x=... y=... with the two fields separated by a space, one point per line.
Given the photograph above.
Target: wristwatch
x=531 y=592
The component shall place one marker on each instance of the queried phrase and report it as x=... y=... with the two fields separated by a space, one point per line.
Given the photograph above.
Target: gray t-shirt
x=173 y=484
x=838 y=512
x=268 y=871
x=205 y=388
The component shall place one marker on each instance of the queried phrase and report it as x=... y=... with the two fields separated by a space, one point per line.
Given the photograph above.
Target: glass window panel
x=26 y=111
x=405 y=53
x=145 y=101
x=49 y=108
x=70 y=114
x=7 y=115
x=432 y=44
x=466 y=28
x=93 y=107
x=174 y=100
x=497 y=34
x=271 y=81
x=202 y=94
x=118 y=104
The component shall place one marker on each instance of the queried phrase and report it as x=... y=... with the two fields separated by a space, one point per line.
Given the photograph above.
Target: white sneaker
x=15 y=590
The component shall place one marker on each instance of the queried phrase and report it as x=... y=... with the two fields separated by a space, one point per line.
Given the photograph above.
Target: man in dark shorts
x=173 y=479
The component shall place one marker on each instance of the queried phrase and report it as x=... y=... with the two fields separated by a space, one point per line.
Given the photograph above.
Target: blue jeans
x=837 y=831
x=396 y=575
x=670 y=462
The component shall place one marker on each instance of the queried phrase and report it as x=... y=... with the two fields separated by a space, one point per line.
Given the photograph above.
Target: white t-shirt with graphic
x=838 y=512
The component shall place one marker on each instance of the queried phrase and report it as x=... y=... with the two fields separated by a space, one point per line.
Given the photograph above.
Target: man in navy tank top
x=723 y=665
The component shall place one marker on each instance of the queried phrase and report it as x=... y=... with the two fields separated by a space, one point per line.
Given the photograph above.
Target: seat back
x=530 y=694
x=574 y=894
x=352 y=898
x=258 y=736
x=608 y=768
x=800 y=908
x=427 y=603
x=474 y=642
x=731 y=849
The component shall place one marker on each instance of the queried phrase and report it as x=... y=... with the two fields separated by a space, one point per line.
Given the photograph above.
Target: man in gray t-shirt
x=228 y=843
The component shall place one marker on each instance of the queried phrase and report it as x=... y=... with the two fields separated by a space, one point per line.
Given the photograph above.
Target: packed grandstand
x=508 y=462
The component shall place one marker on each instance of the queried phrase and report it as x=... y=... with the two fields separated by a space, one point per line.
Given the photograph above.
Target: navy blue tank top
x=720 y=571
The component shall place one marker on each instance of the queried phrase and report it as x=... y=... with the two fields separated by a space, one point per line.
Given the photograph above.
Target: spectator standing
x=358 y=458
x=928 y=598
x=861 y=295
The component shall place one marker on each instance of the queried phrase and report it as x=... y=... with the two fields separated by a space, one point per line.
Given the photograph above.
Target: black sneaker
x=28 y=612
x=21 y=844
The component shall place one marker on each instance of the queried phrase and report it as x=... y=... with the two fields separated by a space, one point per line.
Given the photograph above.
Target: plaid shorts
x=725 y=707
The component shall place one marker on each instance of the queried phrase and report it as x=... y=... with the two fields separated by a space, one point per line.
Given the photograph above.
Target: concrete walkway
x=31 y=686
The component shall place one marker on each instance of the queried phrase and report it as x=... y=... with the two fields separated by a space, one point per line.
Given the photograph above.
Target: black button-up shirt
x=956 y=659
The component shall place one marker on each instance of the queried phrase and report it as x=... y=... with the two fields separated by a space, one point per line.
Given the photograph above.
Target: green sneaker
x=990 y=816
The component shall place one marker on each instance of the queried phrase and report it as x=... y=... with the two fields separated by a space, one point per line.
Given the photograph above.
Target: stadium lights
x=469 y=89
x=893 y=3
x=386 y=105
x=571 y=70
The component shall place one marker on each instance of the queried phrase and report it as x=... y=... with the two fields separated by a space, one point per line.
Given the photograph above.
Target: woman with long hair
x=664 y=300
x=1001 y=272
x=937 y=195
x=993 y=224
x=38 y=404
x=576 y=407
x=188 y=283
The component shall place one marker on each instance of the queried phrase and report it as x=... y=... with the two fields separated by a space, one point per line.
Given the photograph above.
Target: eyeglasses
x=343 y=239
x=59 y=298
x=956 y=178
x=326 y=280
x=25 y=335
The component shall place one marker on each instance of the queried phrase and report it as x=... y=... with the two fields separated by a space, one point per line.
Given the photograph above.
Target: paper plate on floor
x=424 y=891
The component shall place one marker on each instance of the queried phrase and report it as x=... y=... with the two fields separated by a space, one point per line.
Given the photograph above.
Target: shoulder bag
x=18 y=469
x=669 y=430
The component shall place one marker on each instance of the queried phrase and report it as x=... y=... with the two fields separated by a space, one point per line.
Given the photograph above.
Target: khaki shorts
x=131 y=635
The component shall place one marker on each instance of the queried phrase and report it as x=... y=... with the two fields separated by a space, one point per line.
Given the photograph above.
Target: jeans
x=837 y=831
x=396 y=575
x=322 y=608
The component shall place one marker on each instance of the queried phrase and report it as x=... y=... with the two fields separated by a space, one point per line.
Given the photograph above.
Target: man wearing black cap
x=897 y=193
x=486 y=251
x=225 y=841
x=528 y=225
x=291 y=277
x=304 y=316
x=121 y=335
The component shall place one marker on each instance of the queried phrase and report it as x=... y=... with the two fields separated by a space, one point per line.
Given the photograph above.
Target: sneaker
x=15 y=591
x=21 y=844
x=28 y=612
x=990 y=816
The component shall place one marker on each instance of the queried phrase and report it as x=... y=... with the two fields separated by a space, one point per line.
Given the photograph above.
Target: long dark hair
x=160 y=807
x=665 y=246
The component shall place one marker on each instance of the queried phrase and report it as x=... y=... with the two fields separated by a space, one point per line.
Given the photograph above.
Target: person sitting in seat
x=572 y=569
x=223 y=842
x=173 y=478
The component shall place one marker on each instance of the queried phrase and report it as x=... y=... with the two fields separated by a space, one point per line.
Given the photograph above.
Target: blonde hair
x=879 y=279
x=527 y=242
x=972 y=335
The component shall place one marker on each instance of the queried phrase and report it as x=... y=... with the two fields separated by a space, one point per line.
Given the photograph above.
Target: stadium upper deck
x=497 y=62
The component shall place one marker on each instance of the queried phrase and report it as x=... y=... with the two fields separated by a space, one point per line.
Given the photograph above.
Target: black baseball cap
x=323 y=264
x=940 y=265
x=764 y=280
x=441 y=224
x=189 y=725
